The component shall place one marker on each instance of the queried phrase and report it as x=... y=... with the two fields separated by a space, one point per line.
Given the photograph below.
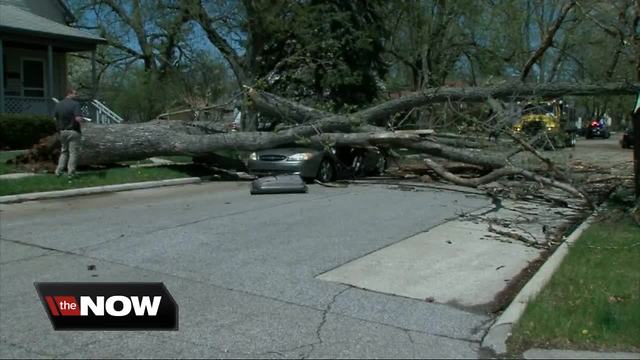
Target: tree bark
x=104 y=144
x=378 y=114
x=276 y=106
x=107 y=144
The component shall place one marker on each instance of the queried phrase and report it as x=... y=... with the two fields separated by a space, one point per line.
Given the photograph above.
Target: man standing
x=68 y=118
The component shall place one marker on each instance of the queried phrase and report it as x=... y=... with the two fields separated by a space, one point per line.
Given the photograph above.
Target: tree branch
x=548 y=39
x=502 y=172
x=199 y=14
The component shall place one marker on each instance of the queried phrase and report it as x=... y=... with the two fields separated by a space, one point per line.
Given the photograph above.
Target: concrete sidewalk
x=468 y=261
x=14 y=176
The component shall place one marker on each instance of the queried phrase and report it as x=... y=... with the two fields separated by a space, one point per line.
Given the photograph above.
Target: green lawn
x=593 y=301
x=8 y=155
x=49 y=182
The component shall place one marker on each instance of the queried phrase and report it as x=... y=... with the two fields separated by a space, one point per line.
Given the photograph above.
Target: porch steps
x=97 y=112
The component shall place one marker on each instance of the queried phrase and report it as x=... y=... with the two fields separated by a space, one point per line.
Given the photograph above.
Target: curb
x=496 y=338
x=577 y=354
x=9 y=199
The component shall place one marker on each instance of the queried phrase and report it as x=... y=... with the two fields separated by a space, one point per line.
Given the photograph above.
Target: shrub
x=21 y=131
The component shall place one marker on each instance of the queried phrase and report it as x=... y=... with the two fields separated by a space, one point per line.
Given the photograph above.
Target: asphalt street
x=243 y=270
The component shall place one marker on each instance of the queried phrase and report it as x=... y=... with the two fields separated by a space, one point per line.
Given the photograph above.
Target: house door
x=33 y=87
x=33 y=78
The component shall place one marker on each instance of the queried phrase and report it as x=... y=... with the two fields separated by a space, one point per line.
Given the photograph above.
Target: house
x=35 y=38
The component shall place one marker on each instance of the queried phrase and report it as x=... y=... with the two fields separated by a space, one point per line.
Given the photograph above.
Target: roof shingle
x=16 y=19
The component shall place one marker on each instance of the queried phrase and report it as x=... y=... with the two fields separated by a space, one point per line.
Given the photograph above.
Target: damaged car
x=324 y=164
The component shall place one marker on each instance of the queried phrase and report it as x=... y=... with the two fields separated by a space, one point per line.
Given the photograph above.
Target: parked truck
x=548 y=124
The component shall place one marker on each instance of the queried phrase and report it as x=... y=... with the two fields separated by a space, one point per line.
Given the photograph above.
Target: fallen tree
x=105 y=144
x=276 y=106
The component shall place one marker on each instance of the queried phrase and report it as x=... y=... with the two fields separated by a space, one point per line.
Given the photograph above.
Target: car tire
x=326 y=171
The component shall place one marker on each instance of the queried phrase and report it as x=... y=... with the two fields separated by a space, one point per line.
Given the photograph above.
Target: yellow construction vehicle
x=547 y=124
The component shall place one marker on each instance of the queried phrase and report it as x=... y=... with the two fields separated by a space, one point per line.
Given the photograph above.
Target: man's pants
x=70 y=141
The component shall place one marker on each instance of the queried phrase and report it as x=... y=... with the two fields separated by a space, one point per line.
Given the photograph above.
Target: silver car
x=311 y=163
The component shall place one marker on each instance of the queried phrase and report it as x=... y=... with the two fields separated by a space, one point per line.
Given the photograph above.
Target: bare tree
x=547 y=39
x=137 y=30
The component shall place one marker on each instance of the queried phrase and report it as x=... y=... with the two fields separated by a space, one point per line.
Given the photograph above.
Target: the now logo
x=114 y=306
x=109 y=306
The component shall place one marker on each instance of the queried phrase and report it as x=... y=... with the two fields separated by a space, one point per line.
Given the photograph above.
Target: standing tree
x=429 y=37
x=154 y=32
x=325 y=52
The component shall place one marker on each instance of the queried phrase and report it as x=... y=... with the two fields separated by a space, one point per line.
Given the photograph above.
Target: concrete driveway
x=242 y=268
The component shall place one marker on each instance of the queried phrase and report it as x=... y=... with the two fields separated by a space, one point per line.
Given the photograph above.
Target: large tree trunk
x=106 y=144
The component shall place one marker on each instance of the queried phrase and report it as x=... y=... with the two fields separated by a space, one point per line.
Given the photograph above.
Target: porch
x=33 y=60
x=34 y=74
x=35 y=77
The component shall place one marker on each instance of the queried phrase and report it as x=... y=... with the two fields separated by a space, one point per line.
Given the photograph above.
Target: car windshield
x=537 y=109
x=302 y=145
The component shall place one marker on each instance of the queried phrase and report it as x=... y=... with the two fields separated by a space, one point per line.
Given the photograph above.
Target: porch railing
x=96 y=112
x=104 y=115
x=25 y=104
x=92 y=109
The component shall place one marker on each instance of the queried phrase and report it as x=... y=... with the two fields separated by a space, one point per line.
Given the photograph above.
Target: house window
x=33 y=77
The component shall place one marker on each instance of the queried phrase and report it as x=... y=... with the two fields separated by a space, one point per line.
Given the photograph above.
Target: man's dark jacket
x=66 y=112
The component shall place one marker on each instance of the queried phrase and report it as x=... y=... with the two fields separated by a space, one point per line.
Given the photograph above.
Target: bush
x=21 y=131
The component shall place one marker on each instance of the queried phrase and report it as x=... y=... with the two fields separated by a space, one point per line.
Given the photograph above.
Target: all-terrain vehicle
x=548 y=125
